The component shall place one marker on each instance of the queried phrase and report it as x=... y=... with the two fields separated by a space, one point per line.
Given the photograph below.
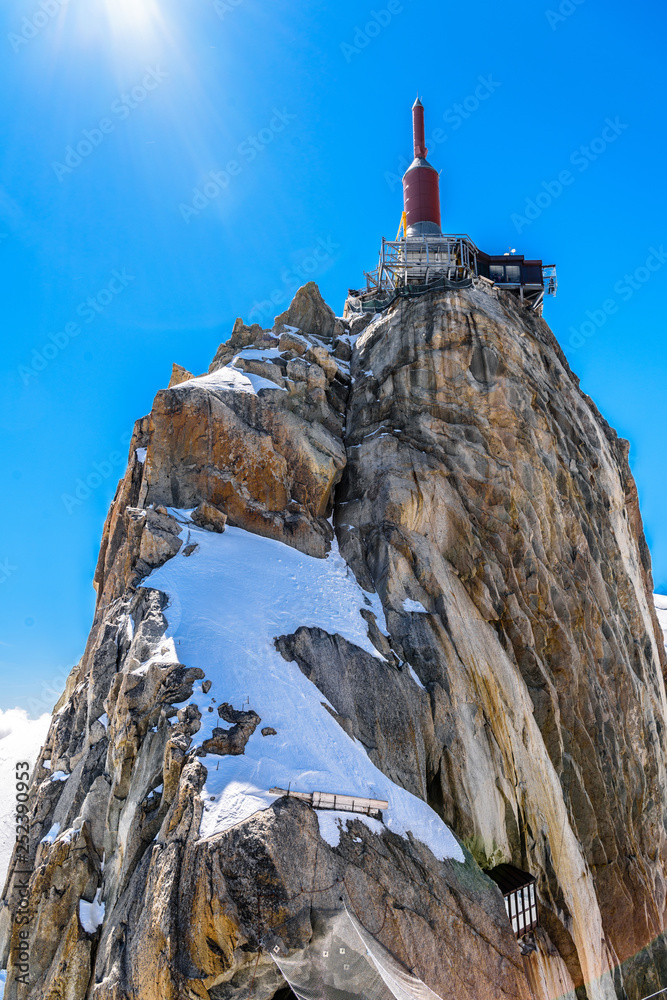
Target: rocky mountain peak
x=397 y=557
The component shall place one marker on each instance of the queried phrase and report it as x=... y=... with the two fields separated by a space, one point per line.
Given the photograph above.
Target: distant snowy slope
x=21 y=739
x=228 y=600
x=661 y=608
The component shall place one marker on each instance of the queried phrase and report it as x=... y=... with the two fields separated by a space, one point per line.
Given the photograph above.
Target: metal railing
x=423 y=258
x=334 y=800
x=550 y=279
x=419 y=262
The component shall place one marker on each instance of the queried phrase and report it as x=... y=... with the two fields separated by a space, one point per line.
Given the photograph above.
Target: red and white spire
x=421 y=184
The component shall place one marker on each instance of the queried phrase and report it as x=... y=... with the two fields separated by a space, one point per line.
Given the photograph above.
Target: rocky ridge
x=515 y=683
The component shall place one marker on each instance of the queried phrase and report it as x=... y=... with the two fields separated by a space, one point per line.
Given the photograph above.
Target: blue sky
x=168 y=165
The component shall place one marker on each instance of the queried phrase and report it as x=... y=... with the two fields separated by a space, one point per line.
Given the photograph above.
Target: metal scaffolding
x=415 y=264
x=422 y=259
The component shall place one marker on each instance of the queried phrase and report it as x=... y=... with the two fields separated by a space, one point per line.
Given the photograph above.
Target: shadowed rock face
x=483 y=483
x=520 y=690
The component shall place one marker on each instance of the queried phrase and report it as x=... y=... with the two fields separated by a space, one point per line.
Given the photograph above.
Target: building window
x=505 y=274
x=519 y=894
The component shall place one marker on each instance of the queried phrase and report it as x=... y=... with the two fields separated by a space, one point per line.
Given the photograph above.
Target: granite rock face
x=484 y=484
x=179 y=374
x=518 y=688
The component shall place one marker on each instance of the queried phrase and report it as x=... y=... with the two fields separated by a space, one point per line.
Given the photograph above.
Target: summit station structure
x=422 y=257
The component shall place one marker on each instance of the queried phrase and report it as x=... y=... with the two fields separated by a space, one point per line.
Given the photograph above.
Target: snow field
x=227 y=603
x=231 y=377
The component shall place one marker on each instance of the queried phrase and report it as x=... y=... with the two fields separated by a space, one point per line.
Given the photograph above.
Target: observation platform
x=416 y=264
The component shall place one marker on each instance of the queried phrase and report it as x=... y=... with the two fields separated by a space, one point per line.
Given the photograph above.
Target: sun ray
x=133 y=17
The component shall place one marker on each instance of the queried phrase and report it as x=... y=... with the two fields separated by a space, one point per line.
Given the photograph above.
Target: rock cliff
x=397 y=556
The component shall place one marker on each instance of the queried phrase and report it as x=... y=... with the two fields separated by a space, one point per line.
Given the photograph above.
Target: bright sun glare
x=133 y=16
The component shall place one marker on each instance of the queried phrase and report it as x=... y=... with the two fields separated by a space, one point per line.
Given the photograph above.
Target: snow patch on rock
x=91 y=915
x=225 y=610
x=231 y=377
x=331 y=824
x=415 y=678
x=414 y=606
x=50 y=837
